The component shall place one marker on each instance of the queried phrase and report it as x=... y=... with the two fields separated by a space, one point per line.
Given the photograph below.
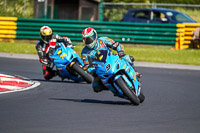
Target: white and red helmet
x=89 y=37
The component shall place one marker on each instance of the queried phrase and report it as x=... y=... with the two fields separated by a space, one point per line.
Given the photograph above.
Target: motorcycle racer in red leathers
x=43 y=48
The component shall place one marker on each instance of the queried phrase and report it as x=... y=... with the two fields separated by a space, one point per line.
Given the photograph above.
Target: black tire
x=141 y=97
x=82 y=73
x=125 y=89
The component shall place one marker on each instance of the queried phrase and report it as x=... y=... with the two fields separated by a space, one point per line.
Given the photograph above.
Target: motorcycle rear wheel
x=127 y=92
x=82 y=73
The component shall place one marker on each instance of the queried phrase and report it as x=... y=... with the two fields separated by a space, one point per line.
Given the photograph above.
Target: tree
x=177 y=1
x=16 y=8
x=157 y=1
x=126 y=1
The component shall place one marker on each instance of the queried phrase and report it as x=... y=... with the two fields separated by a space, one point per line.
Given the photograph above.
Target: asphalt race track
x=172 y=104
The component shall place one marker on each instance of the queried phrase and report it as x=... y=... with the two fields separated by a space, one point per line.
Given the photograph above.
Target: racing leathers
x=43 y=50
x=103 y=43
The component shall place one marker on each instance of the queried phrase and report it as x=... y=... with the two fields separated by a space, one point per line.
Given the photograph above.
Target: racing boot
x=48 y=73
x=97 y=85
x=139 y=75
x=131 y=61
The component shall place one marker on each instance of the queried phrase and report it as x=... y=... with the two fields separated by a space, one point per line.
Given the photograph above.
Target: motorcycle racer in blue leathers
x=93 y=47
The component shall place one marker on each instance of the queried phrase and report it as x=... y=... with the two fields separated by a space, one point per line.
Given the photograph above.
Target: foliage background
x=24 y=8
x=17 y=8
x=158 y=1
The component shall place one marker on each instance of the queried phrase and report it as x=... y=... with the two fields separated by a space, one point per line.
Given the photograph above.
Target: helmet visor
x=46 y=39
x=91 y=39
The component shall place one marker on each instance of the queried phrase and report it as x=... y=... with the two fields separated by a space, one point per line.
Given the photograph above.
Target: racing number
x=63 y=55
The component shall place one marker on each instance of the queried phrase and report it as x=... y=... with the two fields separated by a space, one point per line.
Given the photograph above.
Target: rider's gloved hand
x=71 y=46
x=67 y=41
x=121 y=54
x=132 y=58
x=44 y=61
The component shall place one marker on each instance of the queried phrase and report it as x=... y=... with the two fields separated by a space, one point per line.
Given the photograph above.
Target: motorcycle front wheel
x=141 y=97
x=127 y=92
x=82 y=73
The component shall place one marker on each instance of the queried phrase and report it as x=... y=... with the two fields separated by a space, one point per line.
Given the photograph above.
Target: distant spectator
x=196 y=38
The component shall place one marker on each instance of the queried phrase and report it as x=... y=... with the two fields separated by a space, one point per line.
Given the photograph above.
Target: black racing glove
x=66 y=42
x=132 y=58
x=44 y=61
x=121 y=54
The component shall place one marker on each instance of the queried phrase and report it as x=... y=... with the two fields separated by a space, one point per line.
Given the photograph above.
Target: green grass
x=139 y=52
x=18 y=47
x=165 y=55
x=160 y=54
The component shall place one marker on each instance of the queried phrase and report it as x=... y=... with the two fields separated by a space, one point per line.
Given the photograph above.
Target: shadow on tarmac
x=58 y=81
x=93 y=101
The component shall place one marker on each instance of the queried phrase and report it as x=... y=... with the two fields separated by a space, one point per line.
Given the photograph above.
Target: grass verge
x=162 y=54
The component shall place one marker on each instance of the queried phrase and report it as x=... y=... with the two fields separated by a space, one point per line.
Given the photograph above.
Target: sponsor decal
x=130 y=74
x=59 y=52
x=100 y=41
x=101 y=44
x=98 y=52
x=124 y=66
x=108 y=39
x=100 y=58
x=92 y=53
x=129 y=69
x=60 y=69
x=134 y=78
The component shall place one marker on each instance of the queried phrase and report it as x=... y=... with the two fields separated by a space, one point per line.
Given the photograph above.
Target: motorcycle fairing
x=115 y=65
x=62 y=56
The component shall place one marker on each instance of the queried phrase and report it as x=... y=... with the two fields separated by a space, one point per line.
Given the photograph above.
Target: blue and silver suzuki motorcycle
x=118 y=76
x=69 y=64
